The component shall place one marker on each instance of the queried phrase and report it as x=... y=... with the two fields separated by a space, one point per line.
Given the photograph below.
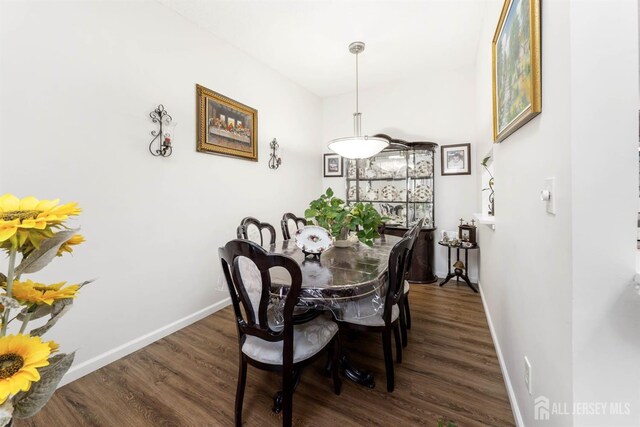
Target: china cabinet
x=399 y=182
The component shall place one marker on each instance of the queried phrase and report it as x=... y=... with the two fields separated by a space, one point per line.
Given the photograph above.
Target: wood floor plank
x=450 y=369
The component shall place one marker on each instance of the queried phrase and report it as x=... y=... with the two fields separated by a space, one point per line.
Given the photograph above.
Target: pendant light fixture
x=358 y=146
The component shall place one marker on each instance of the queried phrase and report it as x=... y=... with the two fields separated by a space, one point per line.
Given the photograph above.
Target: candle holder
x=274 y=161
x=164 y=134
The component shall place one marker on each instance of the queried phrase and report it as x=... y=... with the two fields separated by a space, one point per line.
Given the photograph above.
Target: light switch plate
x=550 y=186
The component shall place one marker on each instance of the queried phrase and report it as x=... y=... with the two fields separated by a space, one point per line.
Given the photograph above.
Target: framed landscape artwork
x=455 y=159
x=225 y=126
x=333 y=165
x=517 y=94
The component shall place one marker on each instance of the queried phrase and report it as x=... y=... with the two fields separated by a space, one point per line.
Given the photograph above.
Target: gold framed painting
x=517 y=92
x=226 y=127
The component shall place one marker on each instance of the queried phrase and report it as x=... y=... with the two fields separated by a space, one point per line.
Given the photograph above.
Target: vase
x=345 y=240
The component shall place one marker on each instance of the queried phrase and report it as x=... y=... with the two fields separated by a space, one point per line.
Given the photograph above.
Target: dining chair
x=385 y=321
x=405 y=310
x=254 y=230
x=263 y=341
x=286 y=222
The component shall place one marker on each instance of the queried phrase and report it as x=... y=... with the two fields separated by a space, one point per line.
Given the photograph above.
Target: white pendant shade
x=358 y=147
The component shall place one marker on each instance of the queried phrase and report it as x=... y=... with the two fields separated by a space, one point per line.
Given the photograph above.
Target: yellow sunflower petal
x=31 y=374
x=66 y=209
x=28 y=223
x=54 y=346
x=8 y=229
x=29 y=203
x=9 y=202
x=45 y=205
x=4 y=393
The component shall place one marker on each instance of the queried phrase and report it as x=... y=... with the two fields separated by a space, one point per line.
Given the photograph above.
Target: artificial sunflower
x=20 y=356
x=53 y=346
x=30 y=293
x=30 y=219
x=67 y=246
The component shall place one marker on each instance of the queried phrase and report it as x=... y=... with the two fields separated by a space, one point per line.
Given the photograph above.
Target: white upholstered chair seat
x=361 y=313
x=308 y=339
x=406 y=287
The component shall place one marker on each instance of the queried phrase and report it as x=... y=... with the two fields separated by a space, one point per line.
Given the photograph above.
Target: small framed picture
x=333 y=165
x=455 y=159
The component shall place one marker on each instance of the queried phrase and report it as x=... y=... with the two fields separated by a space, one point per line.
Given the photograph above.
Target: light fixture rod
x=358 y=146
x=357 y=125
x=357 y=85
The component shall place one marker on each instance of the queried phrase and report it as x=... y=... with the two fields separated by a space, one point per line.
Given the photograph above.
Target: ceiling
x=307 y=40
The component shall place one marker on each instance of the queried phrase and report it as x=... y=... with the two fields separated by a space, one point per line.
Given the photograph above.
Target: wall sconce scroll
x=164 y=134
x=275 y=161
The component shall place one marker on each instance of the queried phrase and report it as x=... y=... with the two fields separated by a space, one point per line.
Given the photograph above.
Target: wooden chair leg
x=335 y=366
x=396 y=336
x=407 y=310
x=388 y=358
x=403 y=325
x=287 y=399
x=242 y=380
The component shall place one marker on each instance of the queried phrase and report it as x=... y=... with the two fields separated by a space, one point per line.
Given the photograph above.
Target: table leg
x=450 y=275
x=466 y=279
x=465 y=276
x=355 y=374
x=277 y=399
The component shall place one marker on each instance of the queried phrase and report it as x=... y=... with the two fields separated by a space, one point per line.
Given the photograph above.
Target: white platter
x=313 y=239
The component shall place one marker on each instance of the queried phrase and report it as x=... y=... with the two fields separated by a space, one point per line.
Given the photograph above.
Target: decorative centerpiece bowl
x=313 y=240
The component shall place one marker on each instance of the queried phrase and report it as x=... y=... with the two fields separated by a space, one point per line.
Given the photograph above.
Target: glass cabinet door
x=398 y=182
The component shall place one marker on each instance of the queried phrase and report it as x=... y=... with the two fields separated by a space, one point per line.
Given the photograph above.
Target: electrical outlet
x=527 y=374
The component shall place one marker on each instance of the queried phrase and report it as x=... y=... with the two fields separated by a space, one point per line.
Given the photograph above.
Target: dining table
x=350 y=282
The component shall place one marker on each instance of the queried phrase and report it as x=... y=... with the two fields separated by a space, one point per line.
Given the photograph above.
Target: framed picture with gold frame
x=517 y=91
x=226 y=127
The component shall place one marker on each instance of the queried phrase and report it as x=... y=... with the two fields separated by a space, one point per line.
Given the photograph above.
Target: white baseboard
x=503 y=367
x=95 y=363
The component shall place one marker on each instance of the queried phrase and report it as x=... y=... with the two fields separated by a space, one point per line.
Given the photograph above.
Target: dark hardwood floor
x=450 y=369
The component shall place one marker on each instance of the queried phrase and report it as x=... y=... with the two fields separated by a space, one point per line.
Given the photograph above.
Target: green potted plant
x=333 y=214
x=485 y=164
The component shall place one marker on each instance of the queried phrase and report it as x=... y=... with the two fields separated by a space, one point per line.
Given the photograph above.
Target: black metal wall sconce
x=275 y=161
x=164 y=134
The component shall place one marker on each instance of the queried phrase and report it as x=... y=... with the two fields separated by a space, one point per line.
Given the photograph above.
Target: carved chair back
x=246 y=269
x=254 y=230
x=288 y=221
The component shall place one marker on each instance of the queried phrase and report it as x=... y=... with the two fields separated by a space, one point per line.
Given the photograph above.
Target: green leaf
x=27 y=404
x=329 y=192
x=39 y=312
x=58 y=309
x=6 y=413
x=39 y=258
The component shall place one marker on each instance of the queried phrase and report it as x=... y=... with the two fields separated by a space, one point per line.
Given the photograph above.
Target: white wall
x=437 y=107
x=604 y=135
x=77 y=82
x=556 y=286
x=525 y=271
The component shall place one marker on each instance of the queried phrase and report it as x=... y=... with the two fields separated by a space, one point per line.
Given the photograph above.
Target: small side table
x=453 y=274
